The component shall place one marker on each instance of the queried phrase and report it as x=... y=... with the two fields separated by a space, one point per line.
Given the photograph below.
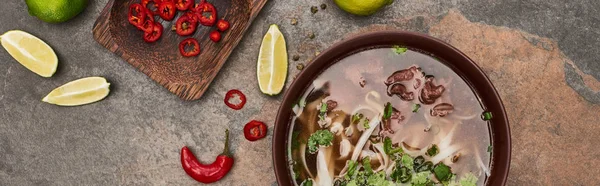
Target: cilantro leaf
x=388 y=149
x=407 y=161
x=319 y=138
x=421 y=179
x=367 y=165
x=366 y=123
x=468 y=180
x=357 y=117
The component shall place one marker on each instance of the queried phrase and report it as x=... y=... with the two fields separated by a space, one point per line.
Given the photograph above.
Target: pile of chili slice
x=142 y=16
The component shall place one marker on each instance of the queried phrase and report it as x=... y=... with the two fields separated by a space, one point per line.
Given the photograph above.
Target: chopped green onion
x=415 y=107
x=433 y=150
x=442 y=172
x=486 y=116
x=490 y=148
x=399 y=50
x=387 y=114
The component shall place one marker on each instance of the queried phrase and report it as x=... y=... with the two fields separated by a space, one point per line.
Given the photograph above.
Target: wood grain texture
x=188 y=78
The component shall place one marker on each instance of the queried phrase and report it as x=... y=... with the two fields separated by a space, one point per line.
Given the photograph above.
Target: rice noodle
x=463 y=117
x=323 y=175
x=365 y=136
x=377 y=104
x=303 y=156
x=386 y=159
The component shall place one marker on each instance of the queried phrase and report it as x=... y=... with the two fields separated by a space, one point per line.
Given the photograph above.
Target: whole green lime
x=55 y=11
x=362 y=7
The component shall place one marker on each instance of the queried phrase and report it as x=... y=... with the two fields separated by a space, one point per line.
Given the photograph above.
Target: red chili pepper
x=222 y=25
x=154 y=5
x=137 y=14
x=192 y=16
x=167 y=10
x=184 y=4
x=206 y=7
x=185 y=26
x=189 y=42
x=230 y=95
x=215 y=36
x=154 y=35
x=207 y=173
x=255 y=130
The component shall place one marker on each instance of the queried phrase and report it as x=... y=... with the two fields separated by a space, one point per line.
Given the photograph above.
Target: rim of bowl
x=460 y=63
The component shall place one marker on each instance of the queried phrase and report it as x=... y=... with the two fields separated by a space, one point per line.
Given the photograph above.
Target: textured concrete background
x=540 y=54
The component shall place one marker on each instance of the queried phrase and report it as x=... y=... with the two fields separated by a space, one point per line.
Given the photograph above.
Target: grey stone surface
x=133 y=137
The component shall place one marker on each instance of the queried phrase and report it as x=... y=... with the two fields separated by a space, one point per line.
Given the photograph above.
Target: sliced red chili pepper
x=155 y=34
x=222 y=25
x=185 y=26
x=207 y=173
x=137 y=14
x=255 y=130
x=167 y=10
x=146 y=26
x=206 y=7
x=231 y=94
x=183 y=5
x=189 y=42
x=153 y=5
x=215 y=36
x=192 y=16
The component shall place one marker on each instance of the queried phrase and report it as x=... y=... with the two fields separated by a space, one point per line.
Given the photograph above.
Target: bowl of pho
x=391 y=108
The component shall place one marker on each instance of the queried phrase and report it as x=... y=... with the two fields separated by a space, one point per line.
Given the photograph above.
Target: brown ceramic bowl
x=450 y=56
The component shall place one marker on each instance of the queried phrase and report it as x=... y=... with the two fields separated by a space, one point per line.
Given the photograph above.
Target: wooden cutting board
x=188 y=78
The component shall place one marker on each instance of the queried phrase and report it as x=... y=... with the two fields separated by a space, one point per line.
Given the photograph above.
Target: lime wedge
x=30 y=51
x=272 y=66
x=79 y=92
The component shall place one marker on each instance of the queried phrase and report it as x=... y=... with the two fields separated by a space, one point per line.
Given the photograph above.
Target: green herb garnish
x=366 y=162
x=421 y=179
x=307 y=182
x=399 y=50
x=486 y=116
x=323 y=108
x=427 y=166
x=319 y=138
x=388 y=149
x=490 y=148
x=433 y=150
x=356 y=117
x=407 y=161
x=387 y=113
x=442 y=172
x=401 y=174
x=351 y=169
x=415 y=107
x=468 y=180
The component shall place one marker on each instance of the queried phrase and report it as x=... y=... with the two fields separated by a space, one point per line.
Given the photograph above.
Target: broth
x=423 y=115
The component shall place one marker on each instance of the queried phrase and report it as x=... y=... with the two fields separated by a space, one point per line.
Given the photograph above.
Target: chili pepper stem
x=226 y=150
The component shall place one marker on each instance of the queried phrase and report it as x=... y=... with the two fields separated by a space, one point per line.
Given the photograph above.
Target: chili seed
x=300 y=66
x=296 y=57
x=173 y=28
x=314 y=9
x=323 y=6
